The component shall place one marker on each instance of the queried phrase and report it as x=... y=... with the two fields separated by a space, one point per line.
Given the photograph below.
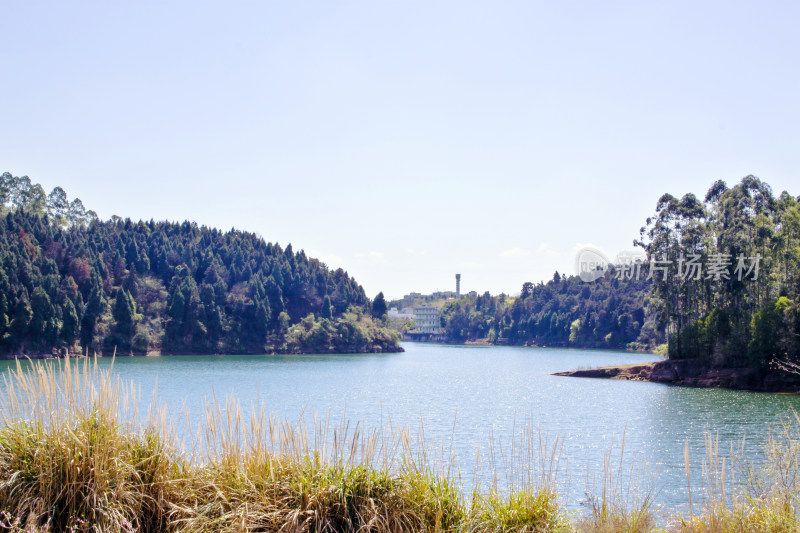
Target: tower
x=458 y=285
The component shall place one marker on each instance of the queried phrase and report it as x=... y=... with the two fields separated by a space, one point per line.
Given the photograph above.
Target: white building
x=426 y=319
x=402 y=314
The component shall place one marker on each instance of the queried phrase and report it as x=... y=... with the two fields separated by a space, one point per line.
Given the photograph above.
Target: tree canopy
x=731 y=296
x=720 y=283
x=565 y=311
x=71 y=281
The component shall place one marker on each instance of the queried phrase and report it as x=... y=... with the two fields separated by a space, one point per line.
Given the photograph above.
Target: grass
x=624 y=499
x=76 y=456
x=769 y=502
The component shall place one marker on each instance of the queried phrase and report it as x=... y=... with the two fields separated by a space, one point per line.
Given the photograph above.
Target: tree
x=770 y=326
x=18 y=190
x=58 y=206
x=283 y=322
x=527 y=290
x=275 y=295
x=261 y=327
x=327 y=310
x=124 y=314
x=379 y=306
x=36 y=201
x=23 y=316
x=76 y=214
x=42 y=313
x=6 y=183
x=70 y=324
x=95 y=307
x=741 y=316
x=185 y=329
x=55 y=255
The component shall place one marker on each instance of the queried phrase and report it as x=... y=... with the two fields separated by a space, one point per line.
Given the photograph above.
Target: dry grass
x=624 y=499
x=76 y=456
x=769 y=500
x=523 y=494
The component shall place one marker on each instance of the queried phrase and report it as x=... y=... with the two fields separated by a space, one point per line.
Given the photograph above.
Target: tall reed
x=624 y=499
x=76 y=455
x=768 y=498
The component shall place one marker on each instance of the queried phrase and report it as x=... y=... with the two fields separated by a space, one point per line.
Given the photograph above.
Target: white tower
x=458 y=285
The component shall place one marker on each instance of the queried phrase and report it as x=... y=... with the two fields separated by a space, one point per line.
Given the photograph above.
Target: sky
x=402 y=141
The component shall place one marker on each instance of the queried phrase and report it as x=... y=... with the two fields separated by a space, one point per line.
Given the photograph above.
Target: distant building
x=394 y=313
x=409 y=300
x=426 y=319
x=441 y=294
x=414 y=299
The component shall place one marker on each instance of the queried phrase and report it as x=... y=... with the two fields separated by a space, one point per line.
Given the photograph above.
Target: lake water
x=475 y=394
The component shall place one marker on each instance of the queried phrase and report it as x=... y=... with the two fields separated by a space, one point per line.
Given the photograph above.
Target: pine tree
x=379 y=306
x=70 y=323
x=327 y=310
x=124 y=314
x=95 y=307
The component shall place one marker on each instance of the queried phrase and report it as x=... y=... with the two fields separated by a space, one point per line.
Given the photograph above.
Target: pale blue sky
x=403 y=141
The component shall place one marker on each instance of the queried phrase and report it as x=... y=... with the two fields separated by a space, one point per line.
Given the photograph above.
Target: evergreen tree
x=124 y=314
x=42 y=314
x=379 y=308
x=95 y=307
x=70 y=323
x=55 y=255
x=327 y=310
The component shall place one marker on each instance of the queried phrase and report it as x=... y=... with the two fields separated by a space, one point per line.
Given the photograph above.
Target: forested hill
x=720 y=284
x=565 y=311
x=731 y=297
x=69 y=281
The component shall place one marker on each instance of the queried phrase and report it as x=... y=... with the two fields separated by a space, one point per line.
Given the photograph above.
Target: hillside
x=729 y=297
x=609 y=313
x=69 y=281
x=720 y=286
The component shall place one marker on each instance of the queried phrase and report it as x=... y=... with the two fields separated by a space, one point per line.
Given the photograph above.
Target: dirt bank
x=690 y=373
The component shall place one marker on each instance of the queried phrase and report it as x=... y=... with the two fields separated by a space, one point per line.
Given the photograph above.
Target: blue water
x=471 y=395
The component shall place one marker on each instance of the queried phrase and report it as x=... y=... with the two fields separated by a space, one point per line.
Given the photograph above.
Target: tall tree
x=379 y=308
x=125 y=318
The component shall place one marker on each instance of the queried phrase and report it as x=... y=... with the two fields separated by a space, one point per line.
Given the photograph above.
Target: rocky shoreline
x=689 y=373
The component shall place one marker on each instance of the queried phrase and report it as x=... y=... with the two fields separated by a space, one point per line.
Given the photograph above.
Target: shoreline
x=159 y=353
x=689 y=373
x=486 y=342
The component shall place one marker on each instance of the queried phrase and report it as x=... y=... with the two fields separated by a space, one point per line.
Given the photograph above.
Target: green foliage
x=69 y=280
x=379 y=308
x=726 y=322
x=772 y=333
x=18 y=193
x=71 y=324
x=352 y=332
x=124 y=315
x=565 y=311
x=327 y=310
x=73 y=458
x=736 y=320
x=524 y=511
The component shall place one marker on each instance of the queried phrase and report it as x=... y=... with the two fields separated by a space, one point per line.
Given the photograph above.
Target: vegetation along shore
x=71 y=283
x=717 y=292
x=76 y=456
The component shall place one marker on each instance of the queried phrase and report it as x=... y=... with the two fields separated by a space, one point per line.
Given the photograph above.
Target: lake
x=473 y=394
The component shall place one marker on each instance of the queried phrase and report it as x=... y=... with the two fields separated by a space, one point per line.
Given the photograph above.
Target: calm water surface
x=477 y=393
